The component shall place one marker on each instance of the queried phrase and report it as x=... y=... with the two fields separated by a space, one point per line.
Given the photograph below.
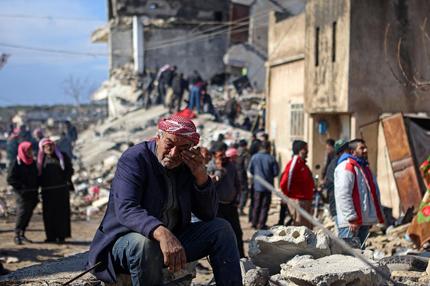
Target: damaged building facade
x=249 y=37
x=214 y=37
x=143 y=36
x=340 y=70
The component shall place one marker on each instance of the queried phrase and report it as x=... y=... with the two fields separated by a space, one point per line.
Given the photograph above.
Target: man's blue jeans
x=194 y=98
x=142 y=257
x=345 y=232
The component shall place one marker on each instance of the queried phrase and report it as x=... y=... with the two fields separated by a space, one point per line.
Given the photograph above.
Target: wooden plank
x=402 y=162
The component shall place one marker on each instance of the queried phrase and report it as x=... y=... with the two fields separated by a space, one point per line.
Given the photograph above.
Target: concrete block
x=246 y=265
x=428 y=268
x=331 y=270
x=270 y=248
x=256 y=277
x=278 y=280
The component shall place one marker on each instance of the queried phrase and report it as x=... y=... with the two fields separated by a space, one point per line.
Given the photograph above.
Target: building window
x=333 y=46
x=218 y=16
x=317 y=45
x=297 y=120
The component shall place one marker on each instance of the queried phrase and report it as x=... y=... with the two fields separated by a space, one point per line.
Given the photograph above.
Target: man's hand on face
x=195 y=161
x=173 y=252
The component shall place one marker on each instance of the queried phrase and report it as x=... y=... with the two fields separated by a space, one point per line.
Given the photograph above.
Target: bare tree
x=78 y=89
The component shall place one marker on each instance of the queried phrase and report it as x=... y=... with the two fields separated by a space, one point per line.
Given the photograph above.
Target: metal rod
x=82 y=274
x=309 y=217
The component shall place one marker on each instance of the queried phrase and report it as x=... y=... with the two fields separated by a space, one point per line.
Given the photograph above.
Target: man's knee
x=141 y=245
x=222 y=228
x=138 y=249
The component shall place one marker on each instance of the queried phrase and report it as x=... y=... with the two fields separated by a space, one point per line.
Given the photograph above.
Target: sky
x=31 y=77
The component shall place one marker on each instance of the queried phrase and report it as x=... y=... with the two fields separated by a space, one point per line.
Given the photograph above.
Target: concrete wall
x=120 y=45
x=286 y=38
x=203 y=10
x=204 y=55
x=285 y=85
x=286 y=88
x=326 y=87
x=372 y=85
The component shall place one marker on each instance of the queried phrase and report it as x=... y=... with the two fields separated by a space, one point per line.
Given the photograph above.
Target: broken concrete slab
x=52 y=273
x=331 y=270
x=407 y=277
x=278 y=280
x=246 y=264
x=270 y=248
x=256 y=277
x=60 y=271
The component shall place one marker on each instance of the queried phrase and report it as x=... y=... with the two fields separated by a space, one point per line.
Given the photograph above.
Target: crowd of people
x=347 y=183
x=172 y=202
x=36 y=162
x=169 y=86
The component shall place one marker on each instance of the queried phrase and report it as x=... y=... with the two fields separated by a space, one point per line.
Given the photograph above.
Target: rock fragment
x=270 y=248
x=334 y=270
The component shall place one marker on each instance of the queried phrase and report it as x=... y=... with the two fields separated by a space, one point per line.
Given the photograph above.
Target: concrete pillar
x=138 y=48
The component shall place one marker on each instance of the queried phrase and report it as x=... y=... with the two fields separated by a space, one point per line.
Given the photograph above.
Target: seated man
x=147 y=224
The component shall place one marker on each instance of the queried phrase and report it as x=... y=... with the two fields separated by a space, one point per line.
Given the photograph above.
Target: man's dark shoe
x=50 y=240
x=25 y=239
x=18 y=240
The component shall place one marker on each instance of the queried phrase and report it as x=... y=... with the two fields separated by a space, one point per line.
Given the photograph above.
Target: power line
x=164 y=44
x=240 y=22
x=48 y=18
x=52 y=51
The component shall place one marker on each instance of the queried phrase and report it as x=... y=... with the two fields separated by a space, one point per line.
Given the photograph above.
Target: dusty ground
x=82 y=234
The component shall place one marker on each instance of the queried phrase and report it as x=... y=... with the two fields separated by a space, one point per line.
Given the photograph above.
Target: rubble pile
x=64 y=270
x=251 y=103
x=289 y=255
x=122 y=90
x=394 y=242
x=100 y=146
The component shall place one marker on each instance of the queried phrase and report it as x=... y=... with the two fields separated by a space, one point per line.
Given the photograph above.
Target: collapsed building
x=219 y=39
x=340 y=69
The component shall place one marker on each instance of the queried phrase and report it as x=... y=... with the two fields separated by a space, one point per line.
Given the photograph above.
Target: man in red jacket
x=297 y=182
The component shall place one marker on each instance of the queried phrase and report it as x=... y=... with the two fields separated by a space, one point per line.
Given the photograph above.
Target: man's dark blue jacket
x=136 y=199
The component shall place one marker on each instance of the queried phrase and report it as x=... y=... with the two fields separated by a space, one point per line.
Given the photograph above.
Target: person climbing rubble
x=147 y=224
x=358 y=205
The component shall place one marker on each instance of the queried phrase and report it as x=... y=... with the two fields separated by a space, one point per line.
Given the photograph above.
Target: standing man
x=340 y=147
x=147 y=224
x=179 y=85
x=357 y=196
x=330 y=154
x=264 y=165
x=242 y=163
x=224 y=174
x=297 y=183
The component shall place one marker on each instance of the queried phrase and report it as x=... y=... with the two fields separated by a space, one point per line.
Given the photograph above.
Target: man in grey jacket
x=357 y=196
